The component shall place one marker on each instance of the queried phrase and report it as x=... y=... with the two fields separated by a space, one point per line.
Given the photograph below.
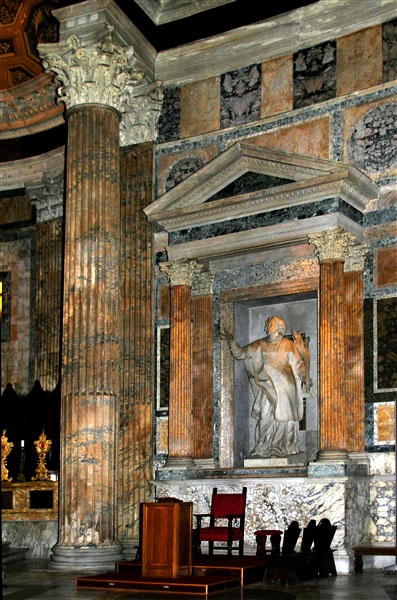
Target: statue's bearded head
x=275 y=324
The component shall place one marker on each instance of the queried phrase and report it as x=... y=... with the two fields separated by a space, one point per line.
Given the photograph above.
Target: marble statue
x=279 y=374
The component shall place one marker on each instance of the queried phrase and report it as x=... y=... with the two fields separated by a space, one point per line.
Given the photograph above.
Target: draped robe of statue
x=277 y=368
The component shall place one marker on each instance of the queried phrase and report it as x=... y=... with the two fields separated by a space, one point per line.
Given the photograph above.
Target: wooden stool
x=275 y=541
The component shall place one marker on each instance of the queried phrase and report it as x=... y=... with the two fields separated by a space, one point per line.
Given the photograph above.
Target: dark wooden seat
x=226 y=524
x=325 y=564
x=368 y=550
x=284 y=565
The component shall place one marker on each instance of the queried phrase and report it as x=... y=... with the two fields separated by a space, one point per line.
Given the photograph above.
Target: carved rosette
x=202 y=284
x=332 y=244
x=102 y=73
x=355 y=258
x=181 y=272
x=139 y=121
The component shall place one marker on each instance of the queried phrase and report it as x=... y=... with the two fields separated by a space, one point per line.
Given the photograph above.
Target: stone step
x=11 y=554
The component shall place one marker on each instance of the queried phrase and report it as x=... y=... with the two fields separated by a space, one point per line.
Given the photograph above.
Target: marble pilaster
x=181 y=274
x=354 y=350
x=202 y=301
x=137 y=357
x=330 y=247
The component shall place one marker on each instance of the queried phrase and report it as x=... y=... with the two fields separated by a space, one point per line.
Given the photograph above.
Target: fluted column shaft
x=333 y=417
x=331 y=247
x=202 y=367
x=90 y=353
x=137 y=359
x=354 y=349
x=180 y=445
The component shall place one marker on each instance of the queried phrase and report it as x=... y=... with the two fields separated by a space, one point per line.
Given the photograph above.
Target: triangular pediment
x=245 y=180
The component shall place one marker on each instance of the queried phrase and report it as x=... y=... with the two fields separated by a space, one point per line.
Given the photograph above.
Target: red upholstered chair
x=226 y=524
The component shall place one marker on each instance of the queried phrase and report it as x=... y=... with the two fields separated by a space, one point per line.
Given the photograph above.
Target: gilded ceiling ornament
x=103 y=73
x=355 y=257
x=181 y=272
x=332 y=244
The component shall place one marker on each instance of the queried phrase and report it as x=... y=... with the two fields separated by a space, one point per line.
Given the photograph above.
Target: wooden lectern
x=167 y=539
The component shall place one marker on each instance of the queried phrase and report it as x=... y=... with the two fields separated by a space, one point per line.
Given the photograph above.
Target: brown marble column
x=354 y=351
x=203 y=319
x=180 y=446
x=94 y=77
x=330 y=247
x=137 y=342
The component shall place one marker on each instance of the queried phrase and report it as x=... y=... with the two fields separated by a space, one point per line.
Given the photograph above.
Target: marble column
x=47 y=198
x=180 y=445
x=94 y=78
x=354 y=351
x=203 y=319
x=330 y=247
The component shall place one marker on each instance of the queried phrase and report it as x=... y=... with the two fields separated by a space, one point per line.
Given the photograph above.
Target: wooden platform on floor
x=209 y=575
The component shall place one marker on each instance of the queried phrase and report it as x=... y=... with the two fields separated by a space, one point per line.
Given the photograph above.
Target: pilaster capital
x=95 y=73
x=181 y=272
x=47 y=197
x=202 y=283
x=355 y=257
x=141 y=115
x=332 y=243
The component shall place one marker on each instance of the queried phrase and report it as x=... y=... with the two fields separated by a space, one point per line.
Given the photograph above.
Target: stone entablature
x=275 y=37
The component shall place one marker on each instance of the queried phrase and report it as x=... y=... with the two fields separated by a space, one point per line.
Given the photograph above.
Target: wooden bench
x=360 y=551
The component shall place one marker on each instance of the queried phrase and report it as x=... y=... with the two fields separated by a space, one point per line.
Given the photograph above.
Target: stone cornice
x=283 y=235
x=165 y=11
x=285 y=34
x=32 y=171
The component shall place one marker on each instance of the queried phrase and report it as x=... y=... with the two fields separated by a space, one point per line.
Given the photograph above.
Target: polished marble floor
x=30 y=580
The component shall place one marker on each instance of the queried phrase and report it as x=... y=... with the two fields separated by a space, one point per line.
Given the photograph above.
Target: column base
x=179 y=462
x=85 y=558
x=329 y=463
x=204 y=463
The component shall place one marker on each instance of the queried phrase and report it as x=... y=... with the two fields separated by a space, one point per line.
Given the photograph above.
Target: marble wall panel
x=386 y=266
x=15 y=209
x=38 y=536
x=174 y=168
x=311 y=138
x=370 y=133
x=389 y=50
x=359 y=60
x=200 y=107
x=170 y=118
x=384 y=423
x=240 y=93
x=314 y=74
x=277 y=86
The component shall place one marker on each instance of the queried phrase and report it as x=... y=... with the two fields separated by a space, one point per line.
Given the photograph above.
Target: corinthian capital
x=100 y=73
x=181 y=272
x=332 y=244
x=142 y=111
x=202 y=283
x=355 y=257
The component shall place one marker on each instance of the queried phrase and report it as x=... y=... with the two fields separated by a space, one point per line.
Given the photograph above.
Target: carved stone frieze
x=181 y=272
x=332 y=244
x=100 y=73
x=141 y=115
x=355 y=257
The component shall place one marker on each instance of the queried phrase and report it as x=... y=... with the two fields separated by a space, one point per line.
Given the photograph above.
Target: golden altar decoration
x=42 y=446
x=6 y=448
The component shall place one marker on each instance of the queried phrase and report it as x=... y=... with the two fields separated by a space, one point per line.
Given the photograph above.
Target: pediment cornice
x=189 y=203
